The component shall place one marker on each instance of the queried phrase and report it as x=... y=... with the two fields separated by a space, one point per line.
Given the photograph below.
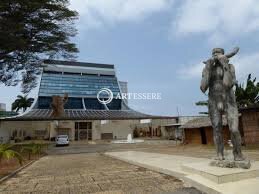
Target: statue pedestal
x=245 y=164
x=222 y=175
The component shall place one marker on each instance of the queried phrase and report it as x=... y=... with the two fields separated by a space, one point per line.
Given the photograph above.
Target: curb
x=15 y=172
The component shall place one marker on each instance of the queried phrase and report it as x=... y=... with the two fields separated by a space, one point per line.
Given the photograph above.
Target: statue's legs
x=216 y=121
x=232 y=117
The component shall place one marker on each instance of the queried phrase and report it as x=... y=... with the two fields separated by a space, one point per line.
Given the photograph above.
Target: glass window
x=76 y=85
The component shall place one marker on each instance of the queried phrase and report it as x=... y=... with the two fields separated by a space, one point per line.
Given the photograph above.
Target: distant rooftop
x=250 y=108
x=4 y=114
x=201 y=122
x=80 y=64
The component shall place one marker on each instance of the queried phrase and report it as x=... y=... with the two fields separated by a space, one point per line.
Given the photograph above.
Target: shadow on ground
x=190 y=190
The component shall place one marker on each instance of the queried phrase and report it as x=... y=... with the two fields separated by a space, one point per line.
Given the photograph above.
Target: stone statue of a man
x=219 y=77
x=57 y=105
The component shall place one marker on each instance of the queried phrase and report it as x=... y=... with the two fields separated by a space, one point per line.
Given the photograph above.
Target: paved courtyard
x=90 y=173
x=200 y=151
x=82 y=168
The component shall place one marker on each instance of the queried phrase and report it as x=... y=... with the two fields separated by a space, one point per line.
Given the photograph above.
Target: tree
x=202 y=103
x=7 y=152
x=22 y=102
x=247 y=94
x=31 y=31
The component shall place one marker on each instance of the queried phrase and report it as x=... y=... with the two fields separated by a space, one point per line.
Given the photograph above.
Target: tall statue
x=219 y=77
x=57 y=105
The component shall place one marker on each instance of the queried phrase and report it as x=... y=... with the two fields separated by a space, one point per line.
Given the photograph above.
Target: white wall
x=28 y=126
x=119 y=128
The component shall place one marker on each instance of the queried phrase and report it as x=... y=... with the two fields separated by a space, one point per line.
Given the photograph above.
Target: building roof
x=7 y=114
x=80 y=64
x=45 y=114
x=250 y=108
x=200 y=122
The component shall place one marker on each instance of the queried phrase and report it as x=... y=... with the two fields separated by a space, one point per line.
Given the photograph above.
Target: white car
x=62 y=140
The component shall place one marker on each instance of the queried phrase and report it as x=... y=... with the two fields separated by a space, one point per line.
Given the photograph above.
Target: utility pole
x=177 y=127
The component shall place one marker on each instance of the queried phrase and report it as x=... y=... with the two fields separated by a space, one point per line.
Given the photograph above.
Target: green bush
x=7 y=152
x=33 y=149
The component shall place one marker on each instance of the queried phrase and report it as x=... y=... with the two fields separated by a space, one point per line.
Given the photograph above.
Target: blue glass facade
x=74 y=103
x=115 y=104
x=76 y=85
x=44 y=102
x=80 y=88
x=93 y=103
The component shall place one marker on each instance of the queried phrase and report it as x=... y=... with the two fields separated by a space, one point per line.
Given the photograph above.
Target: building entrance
x=83 y=131
x=203 y=136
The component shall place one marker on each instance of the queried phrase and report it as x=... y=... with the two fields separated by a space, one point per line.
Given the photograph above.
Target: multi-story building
x=2 y=107
x=85 y=117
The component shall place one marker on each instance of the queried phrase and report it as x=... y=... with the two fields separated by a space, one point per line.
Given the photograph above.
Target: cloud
x=96 y=13
x=244 y=65
x=191 y=71
x=219 y=20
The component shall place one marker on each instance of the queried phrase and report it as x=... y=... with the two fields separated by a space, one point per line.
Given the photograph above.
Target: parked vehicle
x=62 y=140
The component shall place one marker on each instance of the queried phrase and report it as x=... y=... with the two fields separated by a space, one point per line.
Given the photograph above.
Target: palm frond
x=7 y=152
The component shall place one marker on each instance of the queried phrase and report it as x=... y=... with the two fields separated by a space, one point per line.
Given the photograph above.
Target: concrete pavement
x=173 y=165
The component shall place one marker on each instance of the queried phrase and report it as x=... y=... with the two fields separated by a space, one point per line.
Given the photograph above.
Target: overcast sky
x=158 y=45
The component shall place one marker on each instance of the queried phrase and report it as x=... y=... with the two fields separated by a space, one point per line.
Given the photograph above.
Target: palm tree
x=7 y=152
x=248 y=94
x=22 y=102
x=202 y=103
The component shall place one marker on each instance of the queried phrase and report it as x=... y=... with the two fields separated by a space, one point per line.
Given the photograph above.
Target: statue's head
x=217 y=51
